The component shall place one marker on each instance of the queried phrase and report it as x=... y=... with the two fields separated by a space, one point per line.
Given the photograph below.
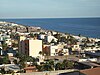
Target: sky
x=49 y=8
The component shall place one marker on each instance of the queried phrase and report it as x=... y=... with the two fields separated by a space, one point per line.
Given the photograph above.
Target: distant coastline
x=88 y=27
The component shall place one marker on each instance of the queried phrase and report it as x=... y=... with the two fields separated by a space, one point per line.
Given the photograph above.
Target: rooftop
x=93 y=71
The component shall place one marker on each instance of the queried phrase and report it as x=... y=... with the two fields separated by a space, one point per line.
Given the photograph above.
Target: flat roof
x=90 y=64
x=93 y=71
x=93 y=54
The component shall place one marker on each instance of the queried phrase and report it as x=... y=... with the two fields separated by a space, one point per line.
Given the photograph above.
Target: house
x=49 y=38
x=53 y=50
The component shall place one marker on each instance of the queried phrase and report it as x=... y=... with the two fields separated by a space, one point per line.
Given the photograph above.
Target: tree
x=15 y=62
x=31 y=35
x=5 y=60
x=71 y=40
x=51 y=62
x=40 y=52
x=47 y=66
x=70 y=65
x=2 y=71
x=58 y=66
x=12 y=35
x=79 y=35
x=24 y=58
x=63 y=39
x=31 y=60
x=65 y=64
x=21 y=64
x=4 y=46
x=39 y=67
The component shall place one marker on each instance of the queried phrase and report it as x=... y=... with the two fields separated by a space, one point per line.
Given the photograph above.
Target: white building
x=76 y=48
x=53 y=50
x=42 y=36
x=35 y=46
x=31 y=47
x=50 y=38
x=66 y=51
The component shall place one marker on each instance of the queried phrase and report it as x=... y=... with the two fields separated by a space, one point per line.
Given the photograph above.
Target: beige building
x=30 y=47
x=35 y=46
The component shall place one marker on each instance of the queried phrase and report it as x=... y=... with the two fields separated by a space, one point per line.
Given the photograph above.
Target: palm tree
x=15 y=62
x=65 y=63
x=70 y=64
x=51 y=62
x=58 y=66
x=4 y=46
x=47 y=66
x=5 y=60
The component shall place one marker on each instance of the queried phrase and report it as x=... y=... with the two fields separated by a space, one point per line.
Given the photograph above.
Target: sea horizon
x=46 y=17
x=88 y=27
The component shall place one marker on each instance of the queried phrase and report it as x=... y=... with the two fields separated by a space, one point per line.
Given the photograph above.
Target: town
x=29 y=50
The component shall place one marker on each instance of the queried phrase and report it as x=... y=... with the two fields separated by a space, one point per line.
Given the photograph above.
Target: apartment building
x=30 y=47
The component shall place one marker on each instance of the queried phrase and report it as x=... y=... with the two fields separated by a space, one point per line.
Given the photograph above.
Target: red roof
x=30 y=68
x=93 y=71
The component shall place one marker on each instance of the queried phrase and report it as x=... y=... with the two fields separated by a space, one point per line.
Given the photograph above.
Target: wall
x=71 y=72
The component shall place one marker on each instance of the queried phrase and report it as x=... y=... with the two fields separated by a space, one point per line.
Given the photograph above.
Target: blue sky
x=49 y=8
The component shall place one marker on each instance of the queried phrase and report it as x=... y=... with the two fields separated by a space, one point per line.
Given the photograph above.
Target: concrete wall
x=68 y=72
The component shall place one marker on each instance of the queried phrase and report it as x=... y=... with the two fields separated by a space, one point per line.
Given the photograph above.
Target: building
x=46 y=50
x=53 y=50
x=20 y=46
x=31 y=47
x=33 y=29
x=92 y=71
x=49 y=38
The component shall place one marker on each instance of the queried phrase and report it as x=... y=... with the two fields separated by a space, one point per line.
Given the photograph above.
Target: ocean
x=89 y=27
